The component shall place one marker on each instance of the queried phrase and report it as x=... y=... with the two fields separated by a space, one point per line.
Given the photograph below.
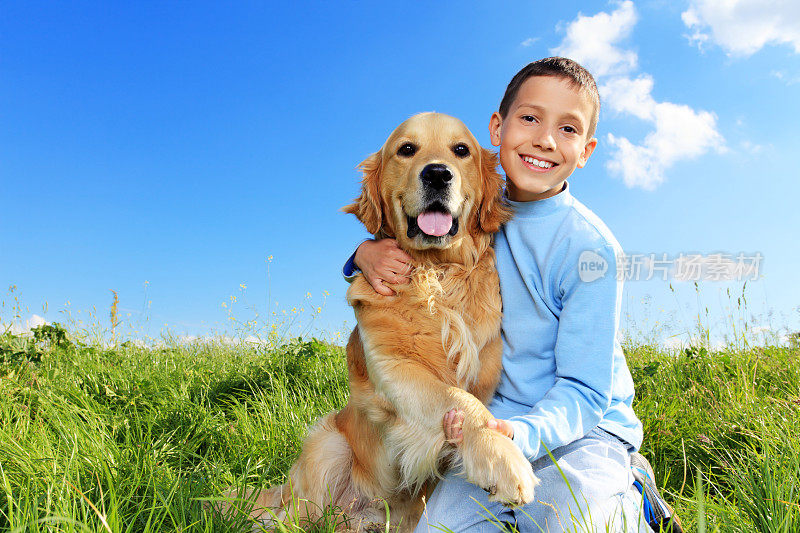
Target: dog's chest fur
x=442 y=318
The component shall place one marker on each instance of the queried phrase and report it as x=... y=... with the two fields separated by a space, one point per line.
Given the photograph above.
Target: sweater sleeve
x=584 y=357
x=350 y=270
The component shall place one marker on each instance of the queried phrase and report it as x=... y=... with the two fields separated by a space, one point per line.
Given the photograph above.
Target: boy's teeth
x=540 y=164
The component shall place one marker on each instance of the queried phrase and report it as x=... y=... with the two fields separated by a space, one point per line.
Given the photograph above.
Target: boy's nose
x=436 y=176
x=544 y=141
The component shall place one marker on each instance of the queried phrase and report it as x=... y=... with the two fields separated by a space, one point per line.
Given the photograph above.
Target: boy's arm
x=380 y=261
x=350 y=270
x=585 y=351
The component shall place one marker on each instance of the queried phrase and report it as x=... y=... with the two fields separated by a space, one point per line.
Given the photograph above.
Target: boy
x=565 y=385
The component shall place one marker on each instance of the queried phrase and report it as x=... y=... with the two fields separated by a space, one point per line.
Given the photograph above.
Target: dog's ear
x=493 y=210
x=367 y=207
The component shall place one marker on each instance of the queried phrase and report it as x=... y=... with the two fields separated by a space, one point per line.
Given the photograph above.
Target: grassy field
x=128 y=438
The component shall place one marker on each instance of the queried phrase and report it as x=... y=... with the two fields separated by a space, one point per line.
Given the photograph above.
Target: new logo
x=591 y=266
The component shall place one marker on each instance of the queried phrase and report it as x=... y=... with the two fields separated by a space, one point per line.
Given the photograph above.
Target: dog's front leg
x=490 y=460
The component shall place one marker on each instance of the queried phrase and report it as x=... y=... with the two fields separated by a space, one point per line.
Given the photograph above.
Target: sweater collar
x=541 y=208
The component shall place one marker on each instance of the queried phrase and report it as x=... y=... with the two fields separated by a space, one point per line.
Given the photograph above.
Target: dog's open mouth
x=435 y=221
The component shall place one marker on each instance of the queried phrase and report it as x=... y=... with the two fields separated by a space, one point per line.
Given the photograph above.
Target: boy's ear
x=587 y=152
x=493 y=211
x=367 y=207
x=495 y=124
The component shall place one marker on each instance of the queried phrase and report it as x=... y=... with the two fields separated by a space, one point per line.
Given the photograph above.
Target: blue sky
x=167 y=150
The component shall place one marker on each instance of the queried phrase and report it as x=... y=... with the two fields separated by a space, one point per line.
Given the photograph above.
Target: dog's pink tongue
x=435 y=223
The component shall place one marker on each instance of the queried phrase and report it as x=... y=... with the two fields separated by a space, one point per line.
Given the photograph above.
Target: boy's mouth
x=537 y=164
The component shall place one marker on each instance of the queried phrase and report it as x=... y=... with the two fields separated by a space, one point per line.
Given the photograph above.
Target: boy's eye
x=528 y=118
x=407 y=150
x=570 y=129
x=461 y=150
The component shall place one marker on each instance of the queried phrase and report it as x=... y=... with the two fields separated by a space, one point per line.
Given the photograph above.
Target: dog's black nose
x=436 y=176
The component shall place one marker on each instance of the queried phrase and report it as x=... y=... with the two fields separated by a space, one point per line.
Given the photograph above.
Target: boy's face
x=543 y=138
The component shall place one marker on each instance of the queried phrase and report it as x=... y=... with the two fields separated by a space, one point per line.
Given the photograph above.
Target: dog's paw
x=496 y=464
x=515 y=481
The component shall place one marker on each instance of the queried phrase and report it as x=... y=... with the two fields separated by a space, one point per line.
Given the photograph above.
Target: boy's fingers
x=448 y=421
x=395 y=267
x=452 y=422
x=396 y=251
x=457 y=421
x=390 y=271
x=391 y=261
x=379 y=287
x=389 y=267
x=389 y=274
x=400 y=255
x=397 y=276
x=501 y=426
x=399 y=267
x=403 y=258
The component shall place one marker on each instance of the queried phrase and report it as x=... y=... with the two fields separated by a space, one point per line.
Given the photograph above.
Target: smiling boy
x=565 y=384
x=544 y=133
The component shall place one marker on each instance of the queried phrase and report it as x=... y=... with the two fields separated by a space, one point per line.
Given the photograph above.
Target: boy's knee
x=459 y=506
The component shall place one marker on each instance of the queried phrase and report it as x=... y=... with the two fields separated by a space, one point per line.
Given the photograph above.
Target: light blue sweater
x=563 y=368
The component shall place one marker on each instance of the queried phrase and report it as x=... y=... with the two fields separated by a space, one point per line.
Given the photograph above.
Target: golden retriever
x=432 y=347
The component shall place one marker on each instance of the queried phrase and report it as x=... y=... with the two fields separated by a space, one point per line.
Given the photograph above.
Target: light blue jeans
x=602 y=497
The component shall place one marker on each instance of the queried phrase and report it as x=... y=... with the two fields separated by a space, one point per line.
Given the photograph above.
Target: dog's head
x=430 y=185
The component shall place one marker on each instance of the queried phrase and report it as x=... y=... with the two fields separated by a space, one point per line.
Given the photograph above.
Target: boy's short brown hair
x=558 y=67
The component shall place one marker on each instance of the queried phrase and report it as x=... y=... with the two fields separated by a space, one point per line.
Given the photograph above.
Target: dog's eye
x=407 y=150
x=461 y=150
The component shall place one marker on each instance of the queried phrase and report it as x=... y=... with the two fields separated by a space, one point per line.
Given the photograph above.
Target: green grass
x=128 y=438
x=730 y=418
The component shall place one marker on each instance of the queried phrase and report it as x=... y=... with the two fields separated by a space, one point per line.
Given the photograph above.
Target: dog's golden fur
x=433 y=346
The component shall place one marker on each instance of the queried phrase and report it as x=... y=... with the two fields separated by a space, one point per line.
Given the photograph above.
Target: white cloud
x=35 y=321
x=529 y=41
x=679 y=132
x=24 y=329
x=743 y=27
x=592 y=41
x=751 y=148
x=626 y=95
x=787 y=78
x=636 y=164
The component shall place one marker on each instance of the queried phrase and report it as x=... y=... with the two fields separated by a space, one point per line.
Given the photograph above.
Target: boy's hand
x=501 y=426
x=383 y=261
x=453 y=421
